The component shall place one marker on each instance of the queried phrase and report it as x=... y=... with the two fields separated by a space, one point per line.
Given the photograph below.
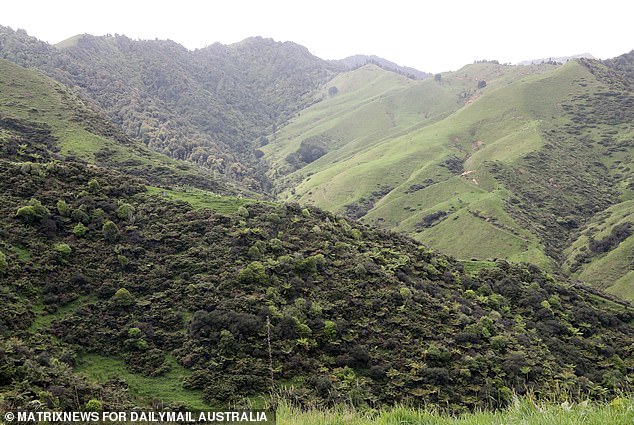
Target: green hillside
x=35 y=109
x=118 y=293
x=106 y=279
x=212 y=106
x=491 y=161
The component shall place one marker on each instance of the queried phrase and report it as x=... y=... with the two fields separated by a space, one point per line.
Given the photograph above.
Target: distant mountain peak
x=357 y=61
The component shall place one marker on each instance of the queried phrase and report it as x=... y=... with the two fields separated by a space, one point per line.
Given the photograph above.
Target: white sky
x=431 y=36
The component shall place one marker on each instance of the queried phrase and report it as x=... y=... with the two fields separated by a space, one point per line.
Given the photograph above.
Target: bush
x=126 y=211
x=4 y=264
x=79 y=230
x=80 y=214
x=617 y=235
x=134 y=332
x=110 y=231
x=253 y=273
x=34 y=211
x=94 y=405
x=94 y=186
x=62 y=208
x=63 y=249
x=330 y=330
x=123 y=297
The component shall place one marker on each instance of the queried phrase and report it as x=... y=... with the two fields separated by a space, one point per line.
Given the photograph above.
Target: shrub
x=79 y=230
x=125 y=211
x=62 y=208
x=94 y=405
x=80 y=214
x=134 y=332
x=253 y=273
x=34 y=211
x=63 y=249
x=4 y=264
x=94 y=186
x=110 y=231
x=330 y=330
x=123 y=297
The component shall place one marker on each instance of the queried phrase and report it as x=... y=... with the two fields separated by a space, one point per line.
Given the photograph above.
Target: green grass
x=611 y=271
x=473 y=266
x=167 y=388
x=396 y=132
x=202 y=199
x=43 y=320
x=523 y=411
x=382 y=130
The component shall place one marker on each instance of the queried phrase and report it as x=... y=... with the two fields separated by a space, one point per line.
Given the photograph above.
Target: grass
x=382 y=130
x=611 y=271
x=523 y=411
x=43 y=320
x=202 y=199
x=473 y=266
x=396 y=132
x=167 y=388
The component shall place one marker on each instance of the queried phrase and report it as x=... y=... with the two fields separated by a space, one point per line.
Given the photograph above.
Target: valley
x=250 y=225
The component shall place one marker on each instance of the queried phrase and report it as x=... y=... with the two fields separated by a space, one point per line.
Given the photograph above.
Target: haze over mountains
x=133 y=239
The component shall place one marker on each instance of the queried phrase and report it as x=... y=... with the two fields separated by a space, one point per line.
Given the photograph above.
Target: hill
x=492 y=161
x=211 y=106
x=357 y=61
x=36 y=111
x=117 y=294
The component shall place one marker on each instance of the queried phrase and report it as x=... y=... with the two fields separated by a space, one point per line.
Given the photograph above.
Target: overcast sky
x=432 y=36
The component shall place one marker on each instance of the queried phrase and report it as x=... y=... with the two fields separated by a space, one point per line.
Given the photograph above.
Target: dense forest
x=212 y=106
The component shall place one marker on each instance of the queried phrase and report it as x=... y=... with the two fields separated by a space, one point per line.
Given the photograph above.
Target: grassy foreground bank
x=524 y=411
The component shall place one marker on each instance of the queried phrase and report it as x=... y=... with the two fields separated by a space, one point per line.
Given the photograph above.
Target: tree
x=94 y=186
x=253 y=273
x=482 y=84
x=123 y=297
x=63 y=208
x=34 y=211
x=125 y=211
x=79 y=230
x=438 y=77
x=110 y=231
x=333 y=91
x=4 y=264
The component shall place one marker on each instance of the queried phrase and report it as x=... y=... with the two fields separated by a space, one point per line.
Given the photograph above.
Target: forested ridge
x=212 y=106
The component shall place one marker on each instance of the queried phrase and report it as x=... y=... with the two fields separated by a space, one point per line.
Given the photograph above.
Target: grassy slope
x=145 y=389
x=390 y=135
x=404 y=131
x=615 y=266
